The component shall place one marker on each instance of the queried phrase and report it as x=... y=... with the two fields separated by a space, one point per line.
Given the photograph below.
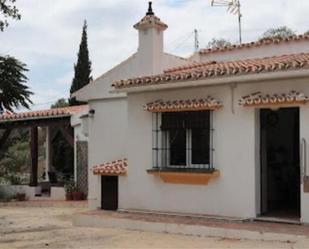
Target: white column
x=75 y=153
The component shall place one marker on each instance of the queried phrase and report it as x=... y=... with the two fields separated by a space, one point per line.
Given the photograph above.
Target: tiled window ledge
x=185 y=177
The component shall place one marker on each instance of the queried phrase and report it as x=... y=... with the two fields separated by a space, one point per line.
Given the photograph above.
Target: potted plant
x=69 y=187
x=20 y=196
x=77 y=194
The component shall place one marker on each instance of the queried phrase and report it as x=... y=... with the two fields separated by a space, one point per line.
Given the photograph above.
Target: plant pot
x=77 y=196
x=69 y=196
x=21 y=197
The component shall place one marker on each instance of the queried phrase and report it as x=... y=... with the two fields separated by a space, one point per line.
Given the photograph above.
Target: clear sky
x=48 y=35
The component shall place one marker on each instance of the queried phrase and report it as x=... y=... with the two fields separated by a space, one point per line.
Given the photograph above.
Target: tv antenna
x=196 y=41
x=233 y=7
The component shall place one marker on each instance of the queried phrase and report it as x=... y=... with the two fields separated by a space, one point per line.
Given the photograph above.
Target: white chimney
x=150 y=49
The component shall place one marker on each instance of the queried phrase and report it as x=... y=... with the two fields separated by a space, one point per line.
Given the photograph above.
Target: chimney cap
x=150 y=11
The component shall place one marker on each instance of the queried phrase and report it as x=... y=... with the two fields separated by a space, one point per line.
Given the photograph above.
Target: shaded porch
x=54 y=123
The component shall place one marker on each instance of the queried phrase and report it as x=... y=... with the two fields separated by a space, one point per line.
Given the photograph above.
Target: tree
x=82 y=68
x=60 y=103
x=306 y=33
x=218 y=43
x=13 y=92
x=277 y=33
x=14 y=157
x=8 y=10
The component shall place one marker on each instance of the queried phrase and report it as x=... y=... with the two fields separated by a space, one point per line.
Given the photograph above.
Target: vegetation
x=306 y=33
x=14 y=93
x=277 y=33
x=60 y=103
x=218 y=43
x=8 y=10
x=15 y=158
x=82 y=69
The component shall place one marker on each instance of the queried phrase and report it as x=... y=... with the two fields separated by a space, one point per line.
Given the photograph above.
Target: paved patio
x=202 y=226
x=51 y=227
x=45 y=203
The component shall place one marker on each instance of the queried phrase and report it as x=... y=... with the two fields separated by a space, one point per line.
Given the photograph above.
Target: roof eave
x=246 y=78
x=34 y=118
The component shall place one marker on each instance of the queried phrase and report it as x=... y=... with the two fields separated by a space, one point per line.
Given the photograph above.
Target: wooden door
x=109 y=192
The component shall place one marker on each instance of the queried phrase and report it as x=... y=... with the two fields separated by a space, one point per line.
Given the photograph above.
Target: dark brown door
x=109 y=192
x=280 y=163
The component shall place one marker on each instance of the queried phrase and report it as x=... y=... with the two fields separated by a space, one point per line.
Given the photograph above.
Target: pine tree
x=82 y=68
x=218 y=43
x=277 y=33
x=13 y=91
x=8 y=10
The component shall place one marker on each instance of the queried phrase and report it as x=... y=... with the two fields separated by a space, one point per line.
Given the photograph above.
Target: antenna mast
x=196 y=41
x=233 y=7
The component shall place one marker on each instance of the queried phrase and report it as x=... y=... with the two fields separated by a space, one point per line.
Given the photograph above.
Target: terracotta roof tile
x=150 y=21
x=258 y=99
x=259 y=43
x=118 y=167
x=40 y=114
x=197 y=71
x=208 y=103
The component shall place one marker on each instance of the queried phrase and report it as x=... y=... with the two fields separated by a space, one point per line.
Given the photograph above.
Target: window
x=182 y=140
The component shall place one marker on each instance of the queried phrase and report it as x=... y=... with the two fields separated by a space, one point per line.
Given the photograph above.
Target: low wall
x=7 y=191
x=57 y=193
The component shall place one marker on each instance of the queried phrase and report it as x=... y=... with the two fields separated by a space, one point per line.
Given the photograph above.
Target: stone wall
x=82 y=166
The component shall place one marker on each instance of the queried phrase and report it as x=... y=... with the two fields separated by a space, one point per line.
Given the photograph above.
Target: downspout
x=232 y=87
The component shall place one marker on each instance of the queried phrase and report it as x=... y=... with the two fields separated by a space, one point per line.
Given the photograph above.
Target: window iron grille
x=183 y=141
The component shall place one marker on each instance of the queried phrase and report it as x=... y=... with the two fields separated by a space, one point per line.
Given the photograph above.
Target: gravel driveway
x=51 y=227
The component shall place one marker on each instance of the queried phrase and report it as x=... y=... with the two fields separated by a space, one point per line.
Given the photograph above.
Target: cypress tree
x=82 y=68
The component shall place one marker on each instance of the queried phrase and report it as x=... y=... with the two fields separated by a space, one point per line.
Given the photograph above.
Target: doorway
x=109 y=192
x=280 y=163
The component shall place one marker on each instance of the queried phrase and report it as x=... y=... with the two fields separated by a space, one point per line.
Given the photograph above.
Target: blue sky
x=47 y=38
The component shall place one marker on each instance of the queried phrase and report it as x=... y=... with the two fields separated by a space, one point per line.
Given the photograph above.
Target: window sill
x=185 y=177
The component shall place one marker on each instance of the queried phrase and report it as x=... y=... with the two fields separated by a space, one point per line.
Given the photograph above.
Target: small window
x=182 y=140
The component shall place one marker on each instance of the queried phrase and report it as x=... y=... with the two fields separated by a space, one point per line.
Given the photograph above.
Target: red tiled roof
x=150 y=21
x=188 y=67
x=183 y=105
x=41 y=114
x=258 y=99
x=118 y=167
x=198 y=71
x=259 y=43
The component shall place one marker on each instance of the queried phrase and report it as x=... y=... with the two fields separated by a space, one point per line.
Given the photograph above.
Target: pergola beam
x=35 y=123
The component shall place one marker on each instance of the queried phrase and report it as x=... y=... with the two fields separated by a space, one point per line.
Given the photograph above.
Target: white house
x=222 y=133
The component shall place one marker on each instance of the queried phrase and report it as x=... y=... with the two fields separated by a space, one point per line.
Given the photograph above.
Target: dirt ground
x=50 y=227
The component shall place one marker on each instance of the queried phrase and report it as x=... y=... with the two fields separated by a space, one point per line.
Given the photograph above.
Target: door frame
x=258 y=162
x=113 y=200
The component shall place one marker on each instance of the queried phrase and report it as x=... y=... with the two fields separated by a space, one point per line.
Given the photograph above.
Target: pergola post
x=34 y=156
x=48 y=151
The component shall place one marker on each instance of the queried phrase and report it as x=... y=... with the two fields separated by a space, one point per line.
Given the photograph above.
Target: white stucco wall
x=132 y=67
x=235 y=192
x=107 y=140
x=304 y=133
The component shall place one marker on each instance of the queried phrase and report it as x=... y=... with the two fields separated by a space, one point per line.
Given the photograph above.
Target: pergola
x=58 y=117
